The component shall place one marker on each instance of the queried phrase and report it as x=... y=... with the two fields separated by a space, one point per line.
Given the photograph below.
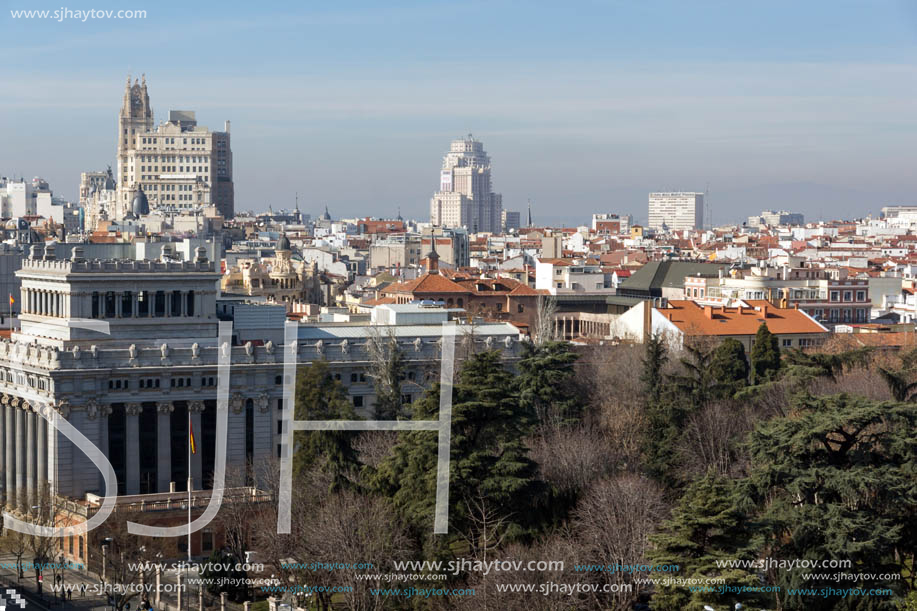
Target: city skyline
x=813 y=110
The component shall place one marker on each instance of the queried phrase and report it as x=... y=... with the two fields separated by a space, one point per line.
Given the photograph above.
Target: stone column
x=158 y=594
x=164 y=445
x=2 y=454
x=195 y=408
x=30 y=456
x=20 y=458
x=9 y=416
x=178 y=591
x=41 y=478
x=132 y=444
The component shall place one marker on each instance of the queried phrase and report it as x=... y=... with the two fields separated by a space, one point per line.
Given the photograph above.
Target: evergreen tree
x=487 y=454
x=318 y=396
x=546 y=382
x=654 y=360
x=706 y=526
x=835 y=480
x=728 y=368
x=765 y=355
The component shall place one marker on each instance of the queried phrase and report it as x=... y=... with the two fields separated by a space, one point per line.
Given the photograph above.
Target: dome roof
x=140 y=205
x=283 y=243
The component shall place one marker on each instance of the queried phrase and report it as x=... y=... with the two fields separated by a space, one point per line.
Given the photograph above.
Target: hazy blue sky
x=583 y=106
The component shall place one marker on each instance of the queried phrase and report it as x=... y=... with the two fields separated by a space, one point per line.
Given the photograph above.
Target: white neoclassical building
x=130 y=390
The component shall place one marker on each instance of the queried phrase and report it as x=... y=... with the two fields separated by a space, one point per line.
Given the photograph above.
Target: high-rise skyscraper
x=465 y=197
x=178 y=165
x=676 y=211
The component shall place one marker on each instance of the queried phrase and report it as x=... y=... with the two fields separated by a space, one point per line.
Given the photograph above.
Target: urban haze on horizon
x=784 y=117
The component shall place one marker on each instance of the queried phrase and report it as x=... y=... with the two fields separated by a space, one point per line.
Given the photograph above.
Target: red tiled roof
x=693 y=319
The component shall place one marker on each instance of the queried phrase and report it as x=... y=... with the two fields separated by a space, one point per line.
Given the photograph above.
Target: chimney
x=708 y=312
x=647 y=319
x=764 y=310
x=226 y=127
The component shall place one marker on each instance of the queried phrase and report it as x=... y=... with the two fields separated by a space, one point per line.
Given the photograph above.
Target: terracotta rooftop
x=693 y=319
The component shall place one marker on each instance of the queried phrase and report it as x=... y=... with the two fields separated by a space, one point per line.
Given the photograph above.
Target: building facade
x=676 y=211
x=127 y=351
x=178 y=165
x=465 y=197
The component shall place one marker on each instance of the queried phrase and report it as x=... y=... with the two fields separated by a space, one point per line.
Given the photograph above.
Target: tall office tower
x=177 y=166
x=675 y=211
x=465 y=198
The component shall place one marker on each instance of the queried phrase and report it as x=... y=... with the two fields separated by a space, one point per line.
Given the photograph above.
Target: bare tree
x=572 y=458
x=544 y=325
x=613 y=522
x=387 y=370
x=130 y=560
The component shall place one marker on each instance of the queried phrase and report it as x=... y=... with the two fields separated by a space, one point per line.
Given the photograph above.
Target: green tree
x=728 y=368
x=220 y=575
x=664 y=414
x=487 y=455
x=706 y=527
x=765 y=355
x=654 y=361
x=318 y=396
x=834 y=479
x=546 y=382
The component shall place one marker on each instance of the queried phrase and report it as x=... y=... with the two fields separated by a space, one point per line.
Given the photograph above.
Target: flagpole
x=190 y=482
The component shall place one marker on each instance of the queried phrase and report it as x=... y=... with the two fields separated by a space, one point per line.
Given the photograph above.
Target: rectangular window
x=835 y=295
x=358 y=401
x=861 y=295
x=848 y=295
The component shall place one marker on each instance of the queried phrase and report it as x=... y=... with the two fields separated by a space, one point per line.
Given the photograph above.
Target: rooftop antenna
x=530 y=214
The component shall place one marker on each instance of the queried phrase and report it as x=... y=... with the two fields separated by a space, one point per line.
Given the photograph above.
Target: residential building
x=611 y=224
x=771 y=218
x=680 y=320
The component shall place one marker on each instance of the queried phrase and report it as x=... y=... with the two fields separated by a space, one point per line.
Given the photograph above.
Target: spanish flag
x=191 y=437
x=12 y=301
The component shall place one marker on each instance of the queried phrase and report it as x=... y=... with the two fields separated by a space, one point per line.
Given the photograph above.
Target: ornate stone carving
x=418 y=344
x=76 y=353
x=164 y=350
x=345 y=347
x=195 y=350
x=165 y=407
x=489 y=342
x=94 y=351
x=92 y=408
x=237 y=402
x=269 y=347
x=225 y=349
x=133 y=409
x=249 y=349
x=132 y=351
x=196 y=407
x=262 y=402
x=5 y=400
x=508 y=342
x=320 y=347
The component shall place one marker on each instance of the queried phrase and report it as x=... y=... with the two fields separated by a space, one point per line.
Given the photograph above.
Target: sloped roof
x=668 y=274
x=693 y=319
